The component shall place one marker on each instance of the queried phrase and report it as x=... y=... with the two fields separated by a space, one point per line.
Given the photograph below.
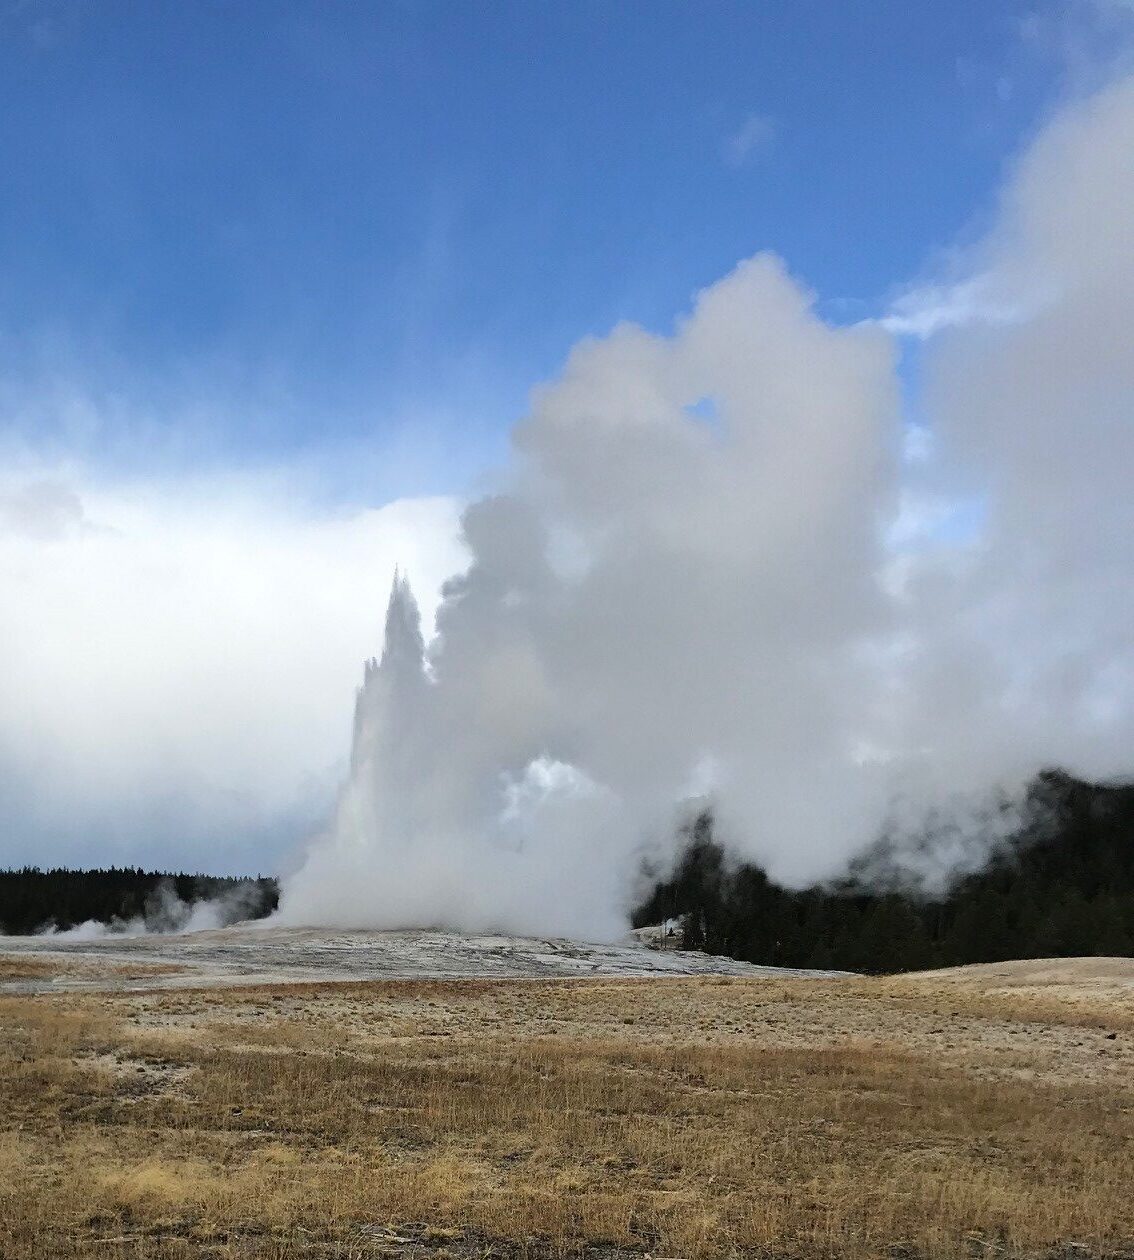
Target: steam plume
x=165 y=912
x=715 y=575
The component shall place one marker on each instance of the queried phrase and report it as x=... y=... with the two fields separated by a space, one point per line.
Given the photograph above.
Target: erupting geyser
x=416 y=844
x=719 y=570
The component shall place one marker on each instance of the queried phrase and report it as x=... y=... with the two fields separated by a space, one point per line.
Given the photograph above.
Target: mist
x=165 y=913
x=728 y=567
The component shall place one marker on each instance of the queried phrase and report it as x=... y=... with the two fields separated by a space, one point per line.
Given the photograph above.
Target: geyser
x=420 y=839
x=718 y=570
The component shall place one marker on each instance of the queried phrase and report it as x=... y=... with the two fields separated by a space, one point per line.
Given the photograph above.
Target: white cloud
x=754 y=136
x=926 y=310
x=179 y=659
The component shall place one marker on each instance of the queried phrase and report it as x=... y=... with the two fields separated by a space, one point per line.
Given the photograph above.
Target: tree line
x=1061 y=886
x=32 y=900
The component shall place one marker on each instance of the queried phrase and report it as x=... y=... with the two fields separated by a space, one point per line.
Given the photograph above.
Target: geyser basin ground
x=981 y=1111
x=251 y=955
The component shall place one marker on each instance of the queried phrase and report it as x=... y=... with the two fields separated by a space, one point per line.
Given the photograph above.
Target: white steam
x=166 y=913
x=716 y=573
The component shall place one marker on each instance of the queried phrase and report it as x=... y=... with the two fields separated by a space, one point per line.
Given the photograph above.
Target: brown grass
x=694 y=1117
x=16 y=967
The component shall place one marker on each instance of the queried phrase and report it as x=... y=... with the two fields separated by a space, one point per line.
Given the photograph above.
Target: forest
x=1061 y=886
x=32 y=900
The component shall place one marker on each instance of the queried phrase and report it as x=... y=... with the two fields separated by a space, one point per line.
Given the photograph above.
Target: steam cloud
x=721 y=569
x=165 y=913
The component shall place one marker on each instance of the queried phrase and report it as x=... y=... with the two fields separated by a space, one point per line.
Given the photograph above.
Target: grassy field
x=965 y=1114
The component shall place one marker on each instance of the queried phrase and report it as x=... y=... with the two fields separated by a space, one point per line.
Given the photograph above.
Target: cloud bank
x=179 y=660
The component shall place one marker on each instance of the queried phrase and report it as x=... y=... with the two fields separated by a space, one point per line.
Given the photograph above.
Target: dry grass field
x=985 y=1112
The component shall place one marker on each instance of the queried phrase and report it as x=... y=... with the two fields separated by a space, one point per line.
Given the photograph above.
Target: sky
x=260 y=231
x=278 y=279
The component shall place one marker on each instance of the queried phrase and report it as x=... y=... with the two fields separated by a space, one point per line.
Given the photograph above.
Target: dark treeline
x=31 y=899
x=1063 y=886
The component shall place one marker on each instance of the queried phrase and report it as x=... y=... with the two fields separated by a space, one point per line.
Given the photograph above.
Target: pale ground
x=251 y=954
x=263 y=1093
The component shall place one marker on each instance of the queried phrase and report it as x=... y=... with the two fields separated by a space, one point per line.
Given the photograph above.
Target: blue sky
x=284 y=229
